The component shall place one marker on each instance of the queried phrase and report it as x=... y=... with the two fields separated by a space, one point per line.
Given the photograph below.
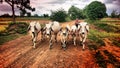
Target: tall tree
x=59 y=15
x=75 y=12
x=21 y=4
x=95 y=10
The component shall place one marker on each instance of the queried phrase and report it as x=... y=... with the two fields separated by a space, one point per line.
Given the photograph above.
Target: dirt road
x=19 y=53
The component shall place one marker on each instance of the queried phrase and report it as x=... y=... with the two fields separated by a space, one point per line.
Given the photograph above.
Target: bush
x=75 y=12
x=15 y=28
x=13 y=31
x=59 y=15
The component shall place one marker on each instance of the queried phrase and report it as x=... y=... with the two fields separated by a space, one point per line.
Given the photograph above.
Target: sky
x=45 y=6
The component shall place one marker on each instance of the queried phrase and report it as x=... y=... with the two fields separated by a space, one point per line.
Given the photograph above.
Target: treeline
x=35 y=15
x=94 y=11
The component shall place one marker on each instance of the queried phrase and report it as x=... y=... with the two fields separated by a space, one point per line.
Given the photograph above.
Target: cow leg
x=50 y=46
x=64 y=44
x=74 y=40
x=84 y=39
x=83 y=42
x=41 y=37
x=34 y=42
x=83 y=46
x=80 y=39
x=56 y=38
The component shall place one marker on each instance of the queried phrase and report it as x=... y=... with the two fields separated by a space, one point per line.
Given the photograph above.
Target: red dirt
x=19 y=53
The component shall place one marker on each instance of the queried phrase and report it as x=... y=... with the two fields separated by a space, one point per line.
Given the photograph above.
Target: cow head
x=83 y=28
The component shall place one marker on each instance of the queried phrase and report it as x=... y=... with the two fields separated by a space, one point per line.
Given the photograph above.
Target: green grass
x=13 y=31
x=23 y=18
x=108 y=27
x=7 y=38
x=110 y=30
x=96 y=38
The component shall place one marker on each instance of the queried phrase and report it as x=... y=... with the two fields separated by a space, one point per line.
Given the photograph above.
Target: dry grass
x=3 y=27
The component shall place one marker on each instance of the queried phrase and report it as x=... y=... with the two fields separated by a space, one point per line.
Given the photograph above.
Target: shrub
x=14 y=28
x=59 y=15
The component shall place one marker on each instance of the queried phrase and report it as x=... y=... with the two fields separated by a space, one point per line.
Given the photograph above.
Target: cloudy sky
x=45 y=6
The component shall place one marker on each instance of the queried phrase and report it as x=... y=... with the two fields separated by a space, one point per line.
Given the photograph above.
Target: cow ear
x=60 y=29
x=51 y=29
x=28 y=28
x=79 y=28
x=87 y=27
x=35 y=28
x=67 y=29
x=44 y=28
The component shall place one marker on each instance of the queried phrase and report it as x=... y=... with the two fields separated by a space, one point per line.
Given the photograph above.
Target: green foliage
x=114 y=14
x=109 y=27
x=15 y=28
x=95 y=40
x=100 y=60
x=7 y=38
x=45 y=15
x=95 y=10
x=13 y=31
x=59 y=15
x=75 y=12
x=28 y=14
x=111 y=59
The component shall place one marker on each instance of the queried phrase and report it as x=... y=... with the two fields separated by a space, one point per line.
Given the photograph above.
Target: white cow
x=83 y=31
x=64 y=32
x=74 y=32
x=34 y=28
x=51 y=31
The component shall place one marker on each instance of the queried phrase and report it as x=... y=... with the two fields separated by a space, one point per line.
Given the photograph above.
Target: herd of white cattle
x=53 y=29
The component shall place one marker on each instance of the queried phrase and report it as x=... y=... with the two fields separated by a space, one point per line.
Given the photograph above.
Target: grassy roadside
x=109 y=29
x=13 y=31
x=23 y=18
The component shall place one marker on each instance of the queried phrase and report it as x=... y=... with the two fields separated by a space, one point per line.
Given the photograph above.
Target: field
x=102 y=49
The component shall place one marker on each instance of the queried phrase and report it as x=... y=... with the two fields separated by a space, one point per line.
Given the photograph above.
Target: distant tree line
x=28 y=15
x=115 y=14
x=95 y=10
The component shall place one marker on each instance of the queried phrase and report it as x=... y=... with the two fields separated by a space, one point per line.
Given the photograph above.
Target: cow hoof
x=50 y=47
x=64 y=48
x=83 y=49
x=55 y=41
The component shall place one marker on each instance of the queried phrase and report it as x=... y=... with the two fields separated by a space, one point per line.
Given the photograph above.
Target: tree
x=28 y=14
x=115 y=14
x=36 y=15
x=59 y=15
x=75 y=12
x=21 y=4
x=95 y=10
x=45 y=15
x=5 y=15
